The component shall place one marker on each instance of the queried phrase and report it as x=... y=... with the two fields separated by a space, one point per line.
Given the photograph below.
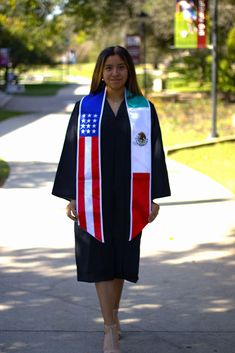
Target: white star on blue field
x=89 y=125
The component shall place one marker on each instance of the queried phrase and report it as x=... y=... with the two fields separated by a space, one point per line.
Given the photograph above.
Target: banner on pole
x=191 y=24
x=133 y=44
x=4 y=57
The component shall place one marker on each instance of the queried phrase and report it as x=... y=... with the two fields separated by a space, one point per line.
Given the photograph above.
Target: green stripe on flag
x=137 y=102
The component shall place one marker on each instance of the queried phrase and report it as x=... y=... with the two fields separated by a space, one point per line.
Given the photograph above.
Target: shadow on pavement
x=183 y=300
x=37 y=174
x=31 y=175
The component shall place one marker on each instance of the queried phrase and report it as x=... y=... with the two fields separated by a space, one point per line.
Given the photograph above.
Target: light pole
x=143 y=17
x=214 y=70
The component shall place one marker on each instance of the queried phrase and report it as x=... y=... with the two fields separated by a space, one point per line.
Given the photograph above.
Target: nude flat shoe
x=111 y=344
x=115 y=315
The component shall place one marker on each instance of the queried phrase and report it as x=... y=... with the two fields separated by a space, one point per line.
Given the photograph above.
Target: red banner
x=133 y=43
x=4 y=57
x=202 y=23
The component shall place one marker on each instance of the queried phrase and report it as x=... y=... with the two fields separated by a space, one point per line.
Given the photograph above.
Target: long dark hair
x=97 y=84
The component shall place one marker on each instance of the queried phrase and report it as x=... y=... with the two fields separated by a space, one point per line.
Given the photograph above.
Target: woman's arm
x=65 y=179
x=160 y=182
x=71 y=210
x=154 y=212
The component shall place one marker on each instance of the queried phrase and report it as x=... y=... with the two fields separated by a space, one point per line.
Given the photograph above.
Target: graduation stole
x=88 y=178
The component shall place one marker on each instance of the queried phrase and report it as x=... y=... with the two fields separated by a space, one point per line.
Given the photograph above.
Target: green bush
x=4 y=171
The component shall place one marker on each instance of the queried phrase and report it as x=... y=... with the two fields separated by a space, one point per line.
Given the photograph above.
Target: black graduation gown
x=117 y=257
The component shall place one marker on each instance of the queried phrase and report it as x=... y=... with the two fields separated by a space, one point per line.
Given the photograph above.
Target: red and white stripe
x=89 y=200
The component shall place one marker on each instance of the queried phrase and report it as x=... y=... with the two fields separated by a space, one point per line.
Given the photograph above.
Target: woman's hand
x=71 y=210
x=154 y=213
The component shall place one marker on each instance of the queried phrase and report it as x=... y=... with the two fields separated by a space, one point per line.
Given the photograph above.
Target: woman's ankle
x=109 y=322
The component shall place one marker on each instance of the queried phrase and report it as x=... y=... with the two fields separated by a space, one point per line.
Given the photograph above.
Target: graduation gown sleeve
x=65 y=179
x=160 y=181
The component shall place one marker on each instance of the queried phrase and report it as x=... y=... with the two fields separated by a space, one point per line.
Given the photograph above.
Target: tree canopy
x=31 y=34
x=39 y=31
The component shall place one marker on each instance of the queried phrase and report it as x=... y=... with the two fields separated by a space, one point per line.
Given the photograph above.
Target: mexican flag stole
x=88 y=178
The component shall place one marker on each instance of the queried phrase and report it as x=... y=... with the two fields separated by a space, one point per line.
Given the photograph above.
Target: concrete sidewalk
x=4 y=98
x=47 y=104
x=185 y=298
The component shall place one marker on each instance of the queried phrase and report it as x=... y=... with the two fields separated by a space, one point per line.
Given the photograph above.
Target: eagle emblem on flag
x=141 y=139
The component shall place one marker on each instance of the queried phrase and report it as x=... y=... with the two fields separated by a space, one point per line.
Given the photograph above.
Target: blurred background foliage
x=43 y=31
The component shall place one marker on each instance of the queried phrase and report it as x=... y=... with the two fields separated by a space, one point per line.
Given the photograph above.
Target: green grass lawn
x=4 y=171
x=6 y=114
x=84 y=70
x=190 y=121
x=42 y=89
x=60 y=73
x=179 y=84
x=216 y=161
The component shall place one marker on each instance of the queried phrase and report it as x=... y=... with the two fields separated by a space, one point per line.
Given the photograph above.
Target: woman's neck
x=115 y=96
x=115 y=99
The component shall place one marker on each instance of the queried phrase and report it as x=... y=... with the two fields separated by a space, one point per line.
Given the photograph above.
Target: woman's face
x=115 y=73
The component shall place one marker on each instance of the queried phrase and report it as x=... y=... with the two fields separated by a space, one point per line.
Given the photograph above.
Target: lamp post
x=143 y=17
x=214 y=70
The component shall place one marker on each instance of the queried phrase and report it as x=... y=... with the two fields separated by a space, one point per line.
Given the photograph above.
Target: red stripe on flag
x=96 y=187
x=81 y=184
x=140 y=202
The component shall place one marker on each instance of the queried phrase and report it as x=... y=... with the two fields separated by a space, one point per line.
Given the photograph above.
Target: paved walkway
x=185 y=298
x=4 y=98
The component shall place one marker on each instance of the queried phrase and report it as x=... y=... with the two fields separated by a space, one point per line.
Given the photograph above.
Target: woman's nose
x=115 y=71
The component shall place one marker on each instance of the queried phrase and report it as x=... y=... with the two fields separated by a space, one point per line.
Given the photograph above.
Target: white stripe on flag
x=88 y=187
x=141 y=155
x=140 y=121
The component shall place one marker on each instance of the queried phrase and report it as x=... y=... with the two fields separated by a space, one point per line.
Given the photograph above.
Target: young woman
x=111 y=169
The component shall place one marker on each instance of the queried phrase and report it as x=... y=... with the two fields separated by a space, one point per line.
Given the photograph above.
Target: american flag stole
x=89 y=196
x=89 y=192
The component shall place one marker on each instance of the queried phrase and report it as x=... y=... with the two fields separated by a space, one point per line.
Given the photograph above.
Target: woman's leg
x=118 y=293
x=118 y=284
x=109 y=294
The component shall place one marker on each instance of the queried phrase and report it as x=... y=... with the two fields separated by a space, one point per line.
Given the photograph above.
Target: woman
x=111 y=169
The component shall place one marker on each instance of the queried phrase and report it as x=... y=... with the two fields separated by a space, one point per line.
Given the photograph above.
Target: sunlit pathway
x=185 y=299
